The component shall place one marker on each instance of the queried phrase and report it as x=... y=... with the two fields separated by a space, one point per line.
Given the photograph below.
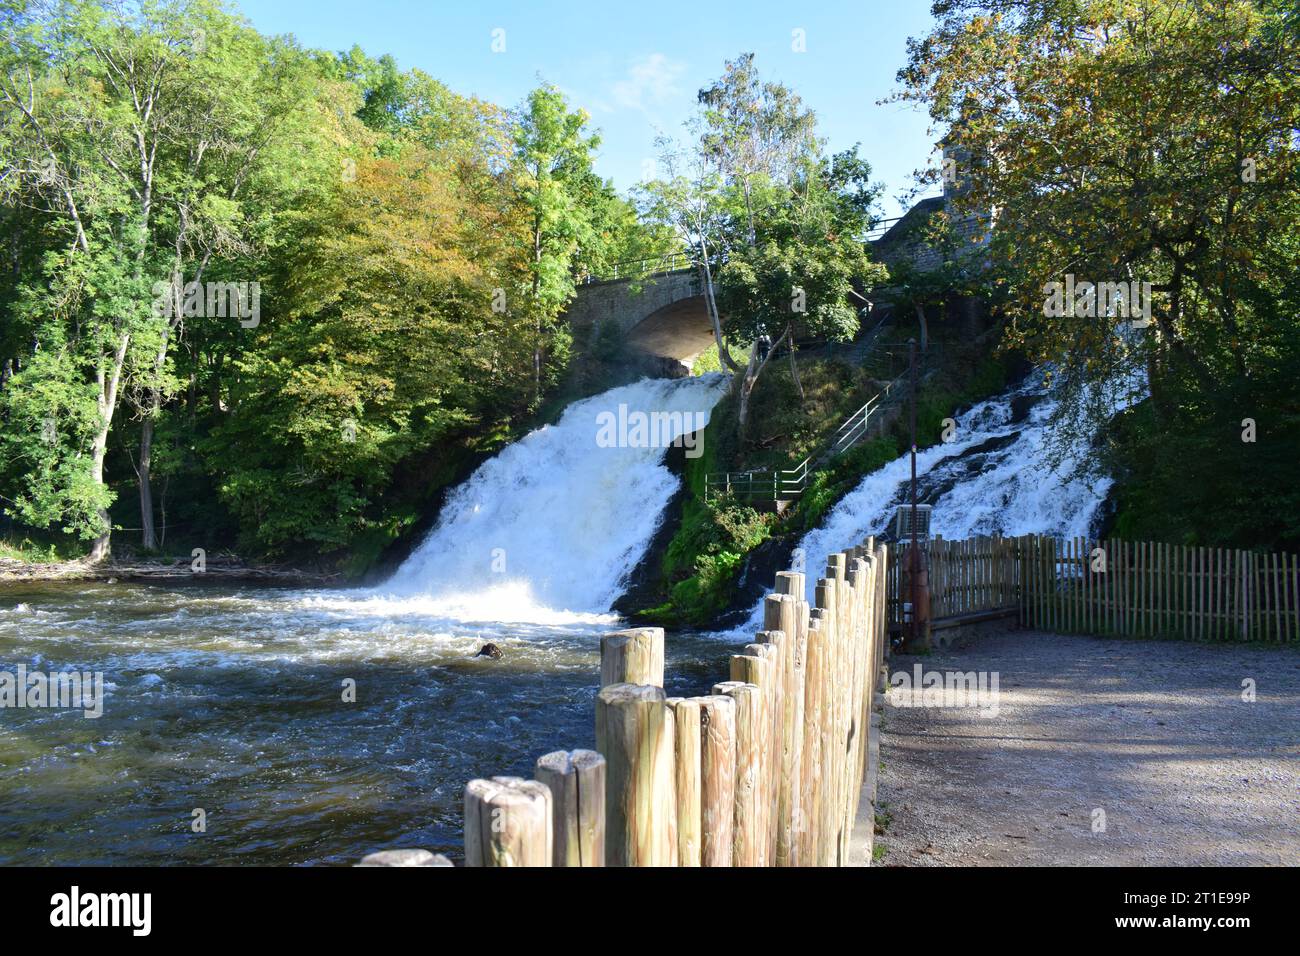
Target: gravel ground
x=1154 y=734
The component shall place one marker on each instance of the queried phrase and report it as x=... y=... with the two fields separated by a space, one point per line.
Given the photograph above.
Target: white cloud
x=651 y=80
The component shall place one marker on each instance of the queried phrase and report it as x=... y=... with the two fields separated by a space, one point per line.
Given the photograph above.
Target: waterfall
x=991 y=479
x=549 y=530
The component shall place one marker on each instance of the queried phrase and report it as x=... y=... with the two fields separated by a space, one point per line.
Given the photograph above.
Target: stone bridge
x=661 y=319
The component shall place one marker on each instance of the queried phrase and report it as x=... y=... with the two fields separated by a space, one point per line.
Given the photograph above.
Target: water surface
x=231 y=700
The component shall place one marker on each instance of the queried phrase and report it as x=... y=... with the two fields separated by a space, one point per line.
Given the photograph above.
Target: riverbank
x=224 y=568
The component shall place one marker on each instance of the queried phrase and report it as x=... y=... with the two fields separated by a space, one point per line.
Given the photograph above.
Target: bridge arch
x=663 y=316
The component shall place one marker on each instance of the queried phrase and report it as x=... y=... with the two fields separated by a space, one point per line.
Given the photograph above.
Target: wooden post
x=634 y=656
x=747 y=840
x=508 y=823
x=577 y=783
x=861 y=579
x=634 y=733
x=787 y=613
x=686 y=735
x=828 y=602
x=808 y=826
x=757 y=668
x=1186 y=616
x=1277 y=595
x=717 y=778
x=772 y=645
x=1089 y=590
x=792 y=616
x=883 y=600
x=1295 y=600
x=855 y=586
x=1257 y=599
x=798 y=773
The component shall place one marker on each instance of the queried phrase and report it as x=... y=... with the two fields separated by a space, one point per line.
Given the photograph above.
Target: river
x=231 y=701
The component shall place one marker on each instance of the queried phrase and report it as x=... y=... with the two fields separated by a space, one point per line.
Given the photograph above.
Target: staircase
x=787 y=484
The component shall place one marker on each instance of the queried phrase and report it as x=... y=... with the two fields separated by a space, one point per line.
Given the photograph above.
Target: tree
x=146 y=123
x=777 y=229
x=414 y=250
x=1146 y=141
x=618 y=236
x=961 y=270
x=551 y=165
x=799 y=273
x=688 y=200
x=753 y=132
x=386 y=344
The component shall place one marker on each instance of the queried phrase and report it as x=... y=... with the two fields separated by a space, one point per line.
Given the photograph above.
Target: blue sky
x=636 y=67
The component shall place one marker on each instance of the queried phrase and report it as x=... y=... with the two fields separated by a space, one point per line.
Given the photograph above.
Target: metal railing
x=785 y=484
x=856 y=425
x=761 y=485
x=640 y=268
x=883 y=226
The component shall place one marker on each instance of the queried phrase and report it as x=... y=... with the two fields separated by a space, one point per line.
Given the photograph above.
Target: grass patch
x=708 y=360
x=43 y=550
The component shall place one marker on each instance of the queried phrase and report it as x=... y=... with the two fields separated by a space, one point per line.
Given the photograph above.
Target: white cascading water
x=548 y=531
x=992 y=479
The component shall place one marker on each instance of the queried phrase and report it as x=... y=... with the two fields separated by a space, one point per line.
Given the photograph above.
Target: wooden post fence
x=765 y=771
x=1157 y=590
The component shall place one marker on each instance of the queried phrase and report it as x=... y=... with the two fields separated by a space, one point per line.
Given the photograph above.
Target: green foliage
x=708 y=360
x=705 y=557
x=806 y=252
x=376 y=355
x=714 y=539
x=785 y=428
x=1147 y=141
x=552 y=156
x=414 y=248
x=1151 y=141
x=1190 y=478
x=44 y=550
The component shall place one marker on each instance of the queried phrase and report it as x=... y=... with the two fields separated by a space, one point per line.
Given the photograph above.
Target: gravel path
x=1155 y=735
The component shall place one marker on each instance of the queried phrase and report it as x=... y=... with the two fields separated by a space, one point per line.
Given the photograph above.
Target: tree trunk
x=153 y=405
x=794 y=373
x=925 y=325
x=102 y=549
x=148 y=538
x=711 y=302
x=752 y=371
x=746 y=390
